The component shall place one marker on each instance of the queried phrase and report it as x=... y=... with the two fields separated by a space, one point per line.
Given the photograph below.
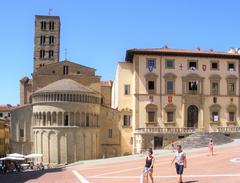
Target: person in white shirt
x=180 y=162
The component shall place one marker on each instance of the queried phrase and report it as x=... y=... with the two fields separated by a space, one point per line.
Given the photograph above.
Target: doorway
x=158 y=142
x=192 y=116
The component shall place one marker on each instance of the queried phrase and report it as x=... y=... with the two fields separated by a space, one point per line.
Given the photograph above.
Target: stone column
x=56 y=118
x=63 y=119
x=58 y=150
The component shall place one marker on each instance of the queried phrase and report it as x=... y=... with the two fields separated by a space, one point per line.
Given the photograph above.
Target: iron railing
x=166 y=130
x=229 y=129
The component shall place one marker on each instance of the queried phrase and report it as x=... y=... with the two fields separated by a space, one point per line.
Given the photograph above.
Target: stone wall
x=21 y=123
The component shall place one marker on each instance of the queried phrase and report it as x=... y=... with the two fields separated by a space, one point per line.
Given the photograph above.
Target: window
x=43 y=25
x=231 y=116
x=109 y=133
x=42 y=40
x=51 y=39
x=65 y=70
x=66 y=120
x=215 y=116
x=169 y=63
x=50 y=54
x=193 y=85
x=214 y=65
x=215 y=87
x=126 y=89
x=231 y=88
x=214 y=100
x=151 y=117
x=87 y=120
x=42 y=54
x=51 y=25
x=170 y=116
x=21 y=133
x=126 y=120
x=151 y=85
x=170 y=87
x=231 y=66
x=151 y=64
x=192 y=64
x=9 y=114
x=231 y=84
x=1 y=114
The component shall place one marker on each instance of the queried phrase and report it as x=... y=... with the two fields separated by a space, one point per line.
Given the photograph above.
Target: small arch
x=231 y=77
x=170 y=76
x=232 y=108
x=215 y=77
x=170 y=107
x=215 y=107
x=151 y=107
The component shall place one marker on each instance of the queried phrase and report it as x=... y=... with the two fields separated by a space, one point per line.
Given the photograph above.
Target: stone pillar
x=58 y=150
x=63 y=118
x=56 y=118
x=53 y=120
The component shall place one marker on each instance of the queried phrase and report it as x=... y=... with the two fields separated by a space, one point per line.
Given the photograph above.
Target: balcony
x=165 y=130
x=229 y=129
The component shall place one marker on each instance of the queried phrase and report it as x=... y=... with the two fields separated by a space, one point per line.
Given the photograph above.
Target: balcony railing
x=166 y=130
x=229 y=129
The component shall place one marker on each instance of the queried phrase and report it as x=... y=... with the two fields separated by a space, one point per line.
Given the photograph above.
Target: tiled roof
x=65 y=85
x=106 y=83
x=65 y=61
x=6 y=107
x=181 y=52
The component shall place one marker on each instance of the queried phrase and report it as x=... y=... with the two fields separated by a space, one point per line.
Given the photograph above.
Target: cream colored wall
x=21 y=119
x=110 y=119
x=123 y=76
x=2 y=136
x=141 y=99
x=66 y=144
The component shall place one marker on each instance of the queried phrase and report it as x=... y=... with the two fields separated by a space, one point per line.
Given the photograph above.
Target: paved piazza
x=221 y=168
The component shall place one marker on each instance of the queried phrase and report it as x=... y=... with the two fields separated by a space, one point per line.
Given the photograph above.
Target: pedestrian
x=180 y=162
x=173 y=147
x=210 y=147
x=149 y=163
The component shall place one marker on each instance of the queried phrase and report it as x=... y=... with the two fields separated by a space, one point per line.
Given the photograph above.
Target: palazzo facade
x=172 y=93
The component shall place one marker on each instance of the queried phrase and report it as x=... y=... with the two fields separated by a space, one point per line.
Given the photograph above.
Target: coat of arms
x=151 y=65
x=204 y=67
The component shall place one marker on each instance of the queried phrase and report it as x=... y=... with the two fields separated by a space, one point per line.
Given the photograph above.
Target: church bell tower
x=46 y=40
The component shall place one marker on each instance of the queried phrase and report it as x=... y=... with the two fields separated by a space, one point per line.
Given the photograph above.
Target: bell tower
x=46 y=40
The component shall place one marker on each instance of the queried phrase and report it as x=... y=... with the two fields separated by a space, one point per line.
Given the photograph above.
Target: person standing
x=180 y=162
x=210 y=147
x=148 y=169
x=173 y=147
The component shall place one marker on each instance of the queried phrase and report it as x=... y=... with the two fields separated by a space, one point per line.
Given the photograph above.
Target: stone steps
x=201 y=139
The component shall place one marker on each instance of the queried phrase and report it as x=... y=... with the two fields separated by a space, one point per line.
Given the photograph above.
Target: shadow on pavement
x=26 y=176
x=191 y=181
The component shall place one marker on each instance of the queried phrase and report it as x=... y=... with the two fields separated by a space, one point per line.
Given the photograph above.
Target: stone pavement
x=201 y=168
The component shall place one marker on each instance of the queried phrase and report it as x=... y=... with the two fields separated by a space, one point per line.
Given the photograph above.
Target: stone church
x=65 y=109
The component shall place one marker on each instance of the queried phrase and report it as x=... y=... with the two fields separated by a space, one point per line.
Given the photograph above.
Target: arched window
x=170 y=116
x=215 y=113
x=43 y=25
x=151 y=110
x=51 y=25
x=42 y=54
x=232 y=109
x=51 y=39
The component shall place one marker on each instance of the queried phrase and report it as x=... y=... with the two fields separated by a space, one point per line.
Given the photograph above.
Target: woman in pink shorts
x=210 y=147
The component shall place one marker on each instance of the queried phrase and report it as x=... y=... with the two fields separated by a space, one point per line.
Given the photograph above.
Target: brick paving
x=201 y=168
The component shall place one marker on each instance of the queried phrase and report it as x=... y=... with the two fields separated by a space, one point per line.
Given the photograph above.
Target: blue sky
x=98 y=33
